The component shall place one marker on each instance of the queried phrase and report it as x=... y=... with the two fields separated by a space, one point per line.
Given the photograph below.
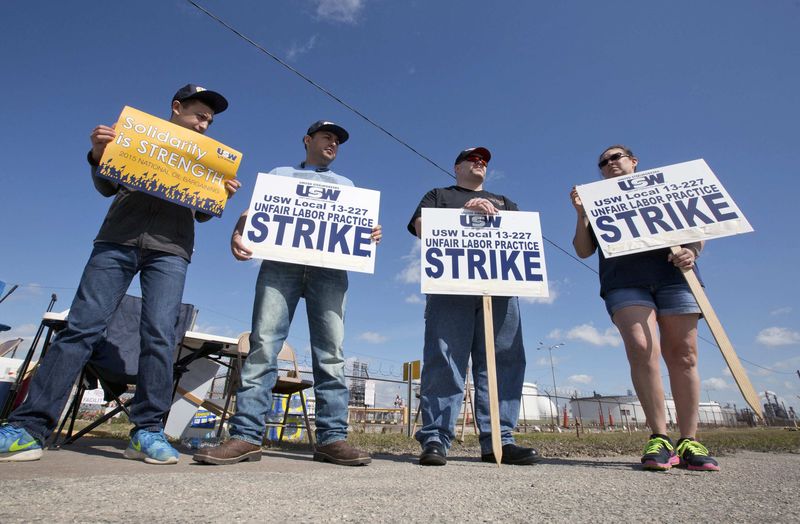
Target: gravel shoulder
x=91 y=482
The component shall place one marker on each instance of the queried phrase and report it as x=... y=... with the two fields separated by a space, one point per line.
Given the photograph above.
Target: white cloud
x=726 y=371
x=346 y=11
x=23 y=292
x=715 y=383
x=781 y=311
x=494 y=175
x=777 y=336
x=553 y=288
x=789 y=364
x=300 y=49
x=581 y=379
x=414 y=299
x=372 y=337
x=22 y=331
x=410 y=273
x=224 y=331
x=204 y=328
x=545 y=361
x=589 y=333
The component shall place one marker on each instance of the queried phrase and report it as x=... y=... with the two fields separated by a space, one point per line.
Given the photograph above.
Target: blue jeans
x=279 y=287
x=453 y=333
x=105 y=280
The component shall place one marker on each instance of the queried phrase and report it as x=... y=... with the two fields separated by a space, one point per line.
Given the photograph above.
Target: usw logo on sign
x=640 y=182
x=318 y=192
x=470 y=220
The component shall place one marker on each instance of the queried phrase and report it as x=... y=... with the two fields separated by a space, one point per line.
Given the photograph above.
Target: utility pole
x=552 y=372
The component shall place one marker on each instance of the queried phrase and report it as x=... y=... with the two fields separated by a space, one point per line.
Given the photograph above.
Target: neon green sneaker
x=659 y=455
x=694 y=456
x=17 y=445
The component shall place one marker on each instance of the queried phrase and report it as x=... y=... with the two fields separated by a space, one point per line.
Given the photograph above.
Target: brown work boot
x=341 y=453
x=231 y=452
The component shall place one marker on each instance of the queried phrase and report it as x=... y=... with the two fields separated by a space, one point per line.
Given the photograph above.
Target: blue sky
x=545 y=86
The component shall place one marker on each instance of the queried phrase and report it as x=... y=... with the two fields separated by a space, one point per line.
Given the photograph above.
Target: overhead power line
x=319 y=87
x=713 y=343
x=391 y=135
x=352 y=109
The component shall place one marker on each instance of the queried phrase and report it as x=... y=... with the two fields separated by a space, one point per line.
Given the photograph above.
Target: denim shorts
x=671 y=299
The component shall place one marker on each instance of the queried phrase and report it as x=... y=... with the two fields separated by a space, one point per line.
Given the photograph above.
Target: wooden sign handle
x=491 y=371
x=724 y=344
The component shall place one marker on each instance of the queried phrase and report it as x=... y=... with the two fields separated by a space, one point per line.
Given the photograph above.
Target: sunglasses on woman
x=611 y=158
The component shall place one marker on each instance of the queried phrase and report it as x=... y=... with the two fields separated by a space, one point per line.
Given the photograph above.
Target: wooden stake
x=491 y=371
x=725 y=346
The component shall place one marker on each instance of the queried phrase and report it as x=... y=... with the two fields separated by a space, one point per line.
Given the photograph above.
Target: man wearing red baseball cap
x=454 y=333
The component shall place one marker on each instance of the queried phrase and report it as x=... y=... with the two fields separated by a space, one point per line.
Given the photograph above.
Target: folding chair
x=10 y=346
x=52 y=323
x=286 y=385
x=4 y=327
x=114 y=365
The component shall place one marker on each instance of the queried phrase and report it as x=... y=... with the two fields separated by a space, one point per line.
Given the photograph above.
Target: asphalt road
x=92 y=482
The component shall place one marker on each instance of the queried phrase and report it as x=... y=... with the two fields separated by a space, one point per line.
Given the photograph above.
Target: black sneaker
x=515 y=456
x=659 y=455
x=433 y=455
x=694 y=456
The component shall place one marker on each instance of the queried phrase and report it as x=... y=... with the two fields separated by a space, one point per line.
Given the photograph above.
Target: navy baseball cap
x=212 y=99
x=324 y=125
x=480 y=151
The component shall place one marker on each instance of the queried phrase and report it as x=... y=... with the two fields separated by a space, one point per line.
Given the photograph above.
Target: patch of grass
x=118 y=428
x=718 y=441
x=608 y=444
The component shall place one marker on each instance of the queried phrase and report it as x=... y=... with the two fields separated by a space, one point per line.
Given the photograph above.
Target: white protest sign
x=312 y=223
x=95 y=397
x=662 y=207
x=466 y=253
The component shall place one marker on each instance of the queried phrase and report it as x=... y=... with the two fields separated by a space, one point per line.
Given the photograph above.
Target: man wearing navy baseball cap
x=279 y=287
x=140 y=234
x=454 y=333
x=212 y=99
x=324 y=125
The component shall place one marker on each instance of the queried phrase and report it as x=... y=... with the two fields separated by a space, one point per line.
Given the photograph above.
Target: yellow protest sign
x=169 y=161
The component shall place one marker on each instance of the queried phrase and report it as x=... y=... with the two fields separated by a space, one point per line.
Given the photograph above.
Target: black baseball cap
x=480 y=151
x=324 y=125
x=212 y=99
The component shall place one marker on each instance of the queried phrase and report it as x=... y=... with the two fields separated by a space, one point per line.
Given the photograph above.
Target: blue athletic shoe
x=152 y=447
x=17 y=445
